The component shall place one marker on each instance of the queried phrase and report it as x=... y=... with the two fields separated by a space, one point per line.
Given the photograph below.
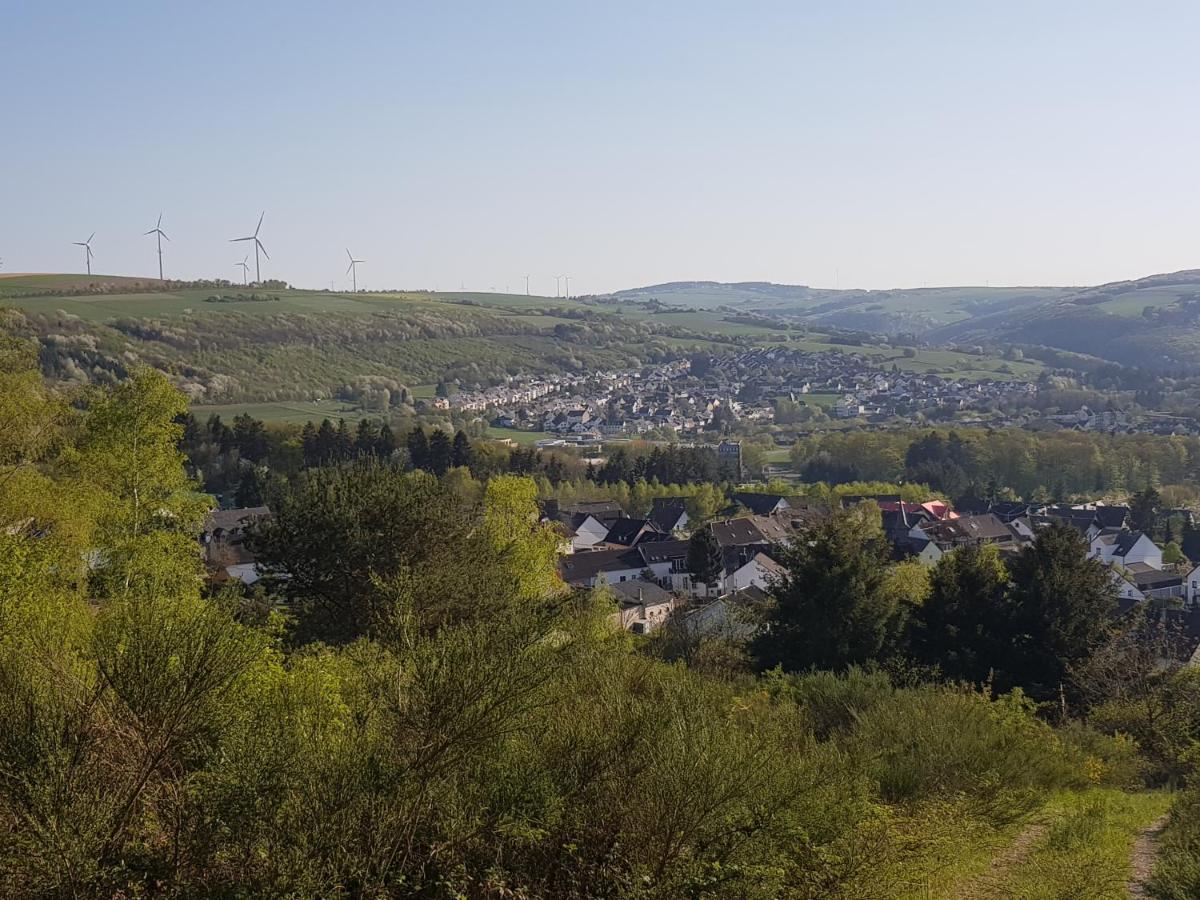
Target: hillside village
x=779 y=386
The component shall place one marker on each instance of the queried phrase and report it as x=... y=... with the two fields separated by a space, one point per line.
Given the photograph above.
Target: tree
x=418 y=449
x=1143 y=509
x=963 y=626
x=366 y=438
x=833 y=608
x=440 y=452
x=386 y=445
x=1063 y=604
x=252 y=489
x=705 y=560
x=460 y=451
x=250 y=437
x=343 y=442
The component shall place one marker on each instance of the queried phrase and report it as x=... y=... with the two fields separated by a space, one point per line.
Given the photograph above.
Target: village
x=645 y=562
x=784 y=387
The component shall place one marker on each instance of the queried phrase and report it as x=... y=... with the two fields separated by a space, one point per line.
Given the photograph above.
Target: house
x=1154 y=583
x=1125 y=548
x=727 y=616
x=631 y=532
x=1128 y=594
x=964 y=530
x=584 y=531
x=599 y=567
x=665 y=561
x=223 y=539
x=669 y=514
x=760 y=571
x=643 y=606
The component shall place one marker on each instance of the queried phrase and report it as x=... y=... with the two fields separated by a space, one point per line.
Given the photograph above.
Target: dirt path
x=988 y=885
x=1145 y=852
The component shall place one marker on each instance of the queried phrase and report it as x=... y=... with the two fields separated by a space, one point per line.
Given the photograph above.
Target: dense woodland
x=415 y=706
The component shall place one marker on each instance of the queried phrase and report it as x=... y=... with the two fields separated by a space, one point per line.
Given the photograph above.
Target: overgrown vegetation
x=414 y=705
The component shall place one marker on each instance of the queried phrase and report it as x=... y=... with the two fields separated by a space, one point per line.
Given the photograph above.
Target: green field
x=296 y=413
x=524 y=438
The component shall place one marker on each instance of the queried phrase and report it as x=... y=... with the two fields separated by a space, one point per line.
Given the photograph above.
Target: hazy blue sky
x=879 y=144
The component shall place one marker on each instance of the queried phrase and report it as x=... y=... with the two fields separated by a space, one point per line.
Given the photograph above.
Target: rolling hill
x=1152 y=322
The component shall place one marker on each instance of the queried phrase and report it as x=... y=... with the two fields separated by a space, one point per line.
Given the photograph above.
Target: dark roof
x=1125 y=541
x=1112 y=516
x=1007 y=510
x=582 y=566
x=1149 y=578
x=761 y=504
x=987 y=527
x=662 y=551
x=629 y=531
x=737 y=533
x=667 y=511
x=634 y=593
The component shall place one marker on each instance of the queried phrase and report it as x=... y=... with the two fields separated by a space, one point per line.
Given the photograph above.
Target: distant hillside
x=1152 y=322
x=911 y=311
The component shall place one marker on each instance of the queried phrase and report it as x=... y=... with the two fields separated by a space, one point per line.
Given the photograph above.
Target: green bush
x=936 y=741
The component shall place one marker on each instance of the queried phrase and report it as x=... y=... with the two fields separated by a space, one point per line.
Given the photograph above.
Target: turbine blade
x=151 y=231
x=235 y=240
x=163 y=233
x=262 y=248
x=260 y=218
x=348 y=256
x=349 y=267
x=89 y=240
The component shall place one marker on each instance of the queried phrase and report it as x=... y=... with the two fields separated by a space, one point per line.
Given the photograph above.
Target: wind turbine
x=87 y=248
x=567 y=280
x=352 y=271
x=157 y=230
x=245 y=267
x=557 y=285
x=257 y=246
x=526 y=285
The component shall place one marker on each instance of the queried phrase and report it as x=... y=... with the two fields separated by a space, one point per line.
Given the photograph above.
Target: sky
x=466 y=144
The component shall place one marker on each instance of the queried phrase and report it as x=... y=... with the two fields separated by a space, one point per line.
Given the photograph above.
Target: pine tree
x=386 y=444
x=308 y=445
x=325 y=443
x=418 y=449
x=440 y=452
x=964 y=624
x=343 y=442
x=366 y=438
x=705 y=560
x=833 y=609
x=460 y=451
x=1063 y=604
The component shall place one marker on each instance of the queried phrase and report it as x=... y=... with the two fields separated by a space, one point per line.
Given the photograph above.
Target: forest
x=413 y=705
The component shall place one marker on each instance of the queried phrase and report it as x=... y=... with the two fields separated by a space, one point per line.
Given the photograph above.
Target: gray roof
x=738 y=533
x=577 y=567
x=229 y=519
x=639 y=593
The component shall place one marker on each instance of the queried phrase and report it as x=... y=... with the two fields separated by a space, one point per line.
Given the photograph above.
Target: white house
x=1126 y=548
x=760 y=571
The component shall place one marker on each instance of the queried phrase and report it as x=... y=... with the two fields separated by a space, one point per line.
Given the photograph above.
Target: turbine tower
x=244 y=266
x=87 y=249
x=157 y=230
x=257 y=247
x=567 y=281
x=526 y=285
x=557 y=285
x=352 y=271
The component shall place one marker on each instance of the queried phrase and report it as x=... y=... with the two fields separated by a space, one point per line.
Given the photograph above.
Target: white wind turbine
x=87 y=249
x=352 y=270
x=257 y=247
x=244 y=266
x=157 y=230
